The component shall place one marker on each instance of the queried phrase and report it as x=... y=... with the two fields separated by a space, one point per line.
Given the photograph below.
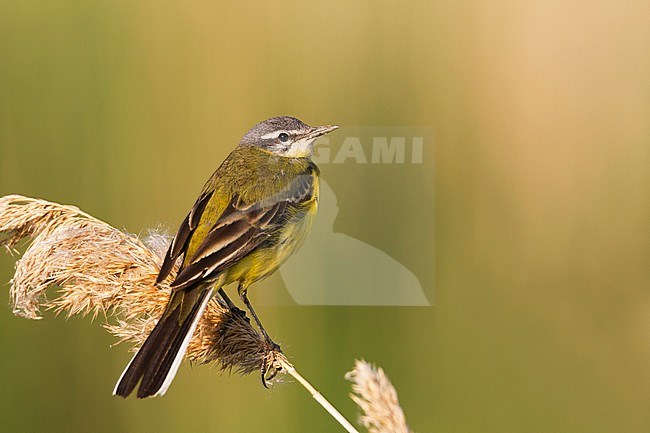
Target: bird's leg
x=231 y=306
x=267 y=365
x=243 y=295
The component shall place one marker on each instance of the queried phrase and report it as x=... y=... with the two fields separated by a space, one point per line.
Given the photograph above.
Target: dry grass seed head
x=373 y=392
x=100 y=270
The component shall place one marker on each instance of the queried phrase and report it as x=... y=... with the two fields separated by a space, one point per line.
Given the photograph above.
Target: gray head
x=285 y=136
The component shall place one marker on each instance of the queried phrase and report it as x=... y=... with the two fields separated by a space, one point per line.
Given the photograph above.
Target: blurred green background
x=539 y=223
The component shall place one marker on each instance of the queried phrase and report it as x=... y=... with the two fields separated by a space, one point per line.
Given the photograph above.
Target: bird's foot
x=270 y=365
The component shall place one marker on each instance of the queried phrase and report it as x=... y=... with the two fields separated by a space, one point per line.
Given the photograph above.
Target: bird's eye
x=283 y=137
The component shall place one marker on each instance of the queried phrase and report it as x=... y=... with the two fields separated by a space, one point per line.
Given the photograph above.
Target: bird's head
x=285 y=136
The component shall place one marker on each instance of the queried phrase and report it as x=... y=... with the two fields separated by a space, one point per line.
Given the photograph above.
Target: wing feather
x=240 y=229
x=181 y=240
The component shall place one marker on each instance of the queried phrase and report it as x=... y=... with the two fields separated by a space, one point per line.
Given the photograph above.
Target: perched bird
x=252 y=214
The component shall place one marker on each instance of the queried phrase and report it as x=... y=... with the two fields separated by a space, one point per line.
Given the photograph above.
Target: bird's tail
x=157 y=361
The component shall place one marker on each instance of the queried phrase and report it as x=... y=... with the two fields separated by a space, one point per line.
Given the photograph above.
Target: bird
x=253 y=213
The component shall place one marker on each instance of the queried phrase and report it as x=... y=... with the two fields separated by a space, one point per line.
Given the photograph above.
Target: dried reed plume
x=101 y=271
x=377 y=399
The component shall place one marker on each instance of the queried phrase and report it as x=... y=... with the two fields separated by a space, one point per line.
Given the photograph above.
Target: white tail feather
x=181 y=351
x=179 y=355
x=122 y=375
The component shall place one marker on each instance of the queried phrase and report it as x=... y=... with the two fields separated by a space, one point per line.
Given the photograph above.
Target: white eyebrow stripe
x=275 y=134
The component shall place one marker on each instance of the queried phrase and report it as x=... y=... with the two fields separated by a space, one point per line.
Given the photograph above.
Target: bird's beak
x=317 y=131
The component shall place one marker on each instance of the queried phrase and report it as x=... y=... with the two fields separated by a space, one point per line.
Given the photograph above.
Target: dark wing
x=182 y=239
x=240 y=229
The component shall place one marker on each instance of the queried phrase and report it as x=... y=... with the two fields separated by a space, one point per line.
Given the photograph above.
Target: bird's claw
x=270 y=366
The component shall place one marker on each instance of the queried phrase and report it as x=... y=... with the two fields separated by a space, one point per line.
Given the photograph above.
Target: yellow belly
x=263 y=261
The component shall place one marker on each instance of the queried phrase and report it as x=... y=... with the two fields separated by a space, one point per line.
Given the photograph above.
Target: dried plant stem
x=290 y=369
